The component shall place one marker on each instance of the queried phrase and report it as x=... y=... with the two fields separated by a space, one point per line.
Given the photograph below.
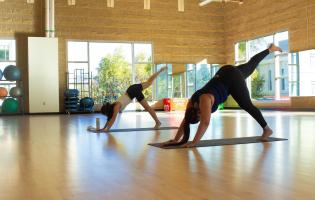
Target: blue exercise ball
x=12 y=73
x=86 y=102
x=71 y=93
x=16 y=92
x=1 y=74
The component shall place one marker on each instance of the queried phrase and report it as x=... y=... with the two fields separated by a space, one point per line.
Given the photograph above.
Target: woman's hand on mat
x=189 y=145
x=104 y=130
x=168 y=142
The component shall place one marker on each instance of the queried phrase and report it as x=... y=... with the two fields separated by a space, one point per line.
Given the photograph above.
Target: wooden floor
x=52 y=157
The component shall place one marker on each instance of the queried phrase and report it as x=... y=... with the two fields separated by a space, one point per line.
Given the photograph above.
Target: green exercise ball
x=10 y=105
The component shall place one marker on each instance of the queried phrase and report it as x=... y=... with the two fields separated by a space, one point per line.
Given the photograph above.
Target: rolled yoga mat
x=227 y=141
x=93 y=129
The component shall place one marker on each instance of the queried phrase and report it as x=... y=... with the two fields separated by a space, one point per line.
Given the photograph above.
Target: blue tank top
x=214 y=87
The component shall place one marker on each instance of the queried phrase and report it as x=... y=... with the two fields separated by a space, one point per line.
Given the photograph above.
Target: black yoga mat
x=227 y=141
x=93 y=129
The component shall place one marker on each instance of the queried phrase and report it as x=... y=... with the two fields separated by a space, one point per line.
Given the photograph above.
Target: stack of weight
x=71 y=100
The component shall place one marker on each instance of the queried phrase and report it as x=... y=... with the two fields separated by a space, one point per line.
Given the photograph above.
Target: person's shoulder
x=117 y=105
x=195 y=95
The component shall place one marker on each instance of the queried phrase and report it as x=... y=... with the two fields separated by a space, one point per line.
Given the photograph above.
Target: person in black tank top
x=229 y=80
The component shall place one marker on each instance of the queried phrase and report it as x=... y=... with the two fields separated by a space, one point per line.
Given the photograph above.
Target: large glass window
x=104 y=70
x=204 y=74
x=264 y=73
x=183 y=84
x=163 y=86
x=303 y=70
x=7 y=53
x=293 y=73
x=281 y=63
x=240 y=52
x=179 y=85
x=191 y=79
x=270 y=80
x=78 y=68
x=143 y=66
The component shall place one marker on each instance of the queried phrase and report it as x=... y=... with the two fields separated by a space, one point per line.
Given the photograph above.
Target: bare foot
x=157 y=125
x=266 y=133
x=273 y=48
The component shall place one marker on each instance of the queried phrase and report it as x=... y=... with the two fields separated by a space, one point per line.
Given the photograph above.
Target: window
x=270 y=80
x=184 y=84
x=170 y=80
x=104 y=70
x=4 y=52
x=282 y=80
x=78 y=67
x=302 y=66
x=178 y=85
x=143 y=66
x=7 y=53
x=197 y=75
x=191 y=79
x=163 y=82
x=294 y=77
x=214 y=69
x=240 y=52
x=203 y=75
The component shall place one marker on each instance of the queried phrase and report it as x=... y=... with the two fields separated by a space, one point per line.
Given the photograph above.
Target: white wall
x=43 y=75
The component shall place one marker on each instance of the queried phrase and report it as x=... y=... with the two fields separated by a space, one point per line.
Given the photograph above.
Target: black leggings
x=234 y=79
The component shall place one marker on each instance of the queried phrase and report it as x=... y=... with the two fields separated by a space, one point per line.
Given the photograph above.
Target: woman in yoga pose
x=229 y=80
x=134 y=91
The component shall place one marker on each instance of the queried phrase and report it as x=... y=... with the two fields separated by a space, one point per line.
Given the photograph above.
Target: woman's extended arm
x=110 y=123
x=180 y=131
x=205 y=105
x=104 y=126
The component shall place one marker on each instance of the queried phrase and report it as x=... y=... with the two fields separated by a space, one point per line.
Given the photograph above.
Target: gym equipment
x=10 y=105
x=93 y=129
x=86 y=104
x=167 y=104
x=1 y=74
x=3 y=92
x=71 y=100
x=227 y=141
x=12 y=73
x=16 y=92
x=71 y=93
x=81 y=80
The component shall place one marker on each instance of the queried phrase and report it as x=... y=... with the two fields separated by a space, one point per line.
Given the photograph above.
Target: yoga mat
x=227 y=141
x=93 y=129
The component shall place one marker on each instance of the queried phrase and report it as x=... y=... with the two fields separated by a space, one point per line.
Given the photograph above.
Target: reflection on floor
x=55 y=157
